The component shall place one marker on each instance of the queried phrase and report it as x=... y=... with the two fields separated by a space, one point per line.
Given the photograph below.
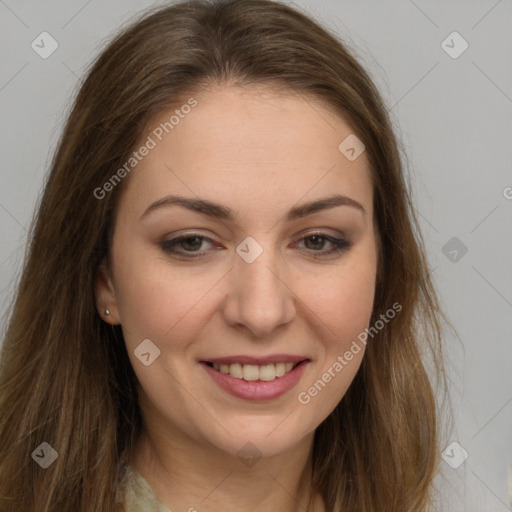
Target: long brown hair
x=65 y=376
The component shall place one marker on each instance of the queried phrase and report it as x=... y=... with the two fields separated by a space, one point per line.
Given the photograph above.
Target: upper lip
x=260 y=361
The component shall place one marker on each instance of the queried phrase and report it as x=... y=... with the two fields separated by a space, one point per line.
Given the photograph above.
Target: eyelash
x=339 y=246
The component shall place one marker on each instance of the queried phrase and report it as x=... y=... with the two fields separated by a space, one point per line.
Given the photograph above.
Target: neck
x=189 y=476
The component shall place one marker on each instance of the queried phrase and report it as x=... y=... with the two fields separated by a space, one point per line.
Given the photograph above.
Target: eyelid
x=191 y=232
x=322 y=231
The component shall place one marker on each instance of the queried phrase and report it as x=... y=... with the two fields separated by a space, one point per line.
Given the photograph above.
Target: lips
x=256 y=378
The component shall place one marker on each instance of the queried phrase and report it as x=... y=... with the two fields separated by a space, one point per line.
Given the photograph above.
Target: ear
x=105 y=294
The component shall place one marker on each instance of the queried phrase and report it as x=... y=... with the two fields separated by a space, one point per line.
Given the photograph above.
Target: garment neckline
x=136 y=493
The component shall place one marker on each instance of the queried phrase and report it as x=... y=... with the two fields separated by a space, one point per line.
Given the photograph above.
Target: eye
x=318 y=241
x=189 y=246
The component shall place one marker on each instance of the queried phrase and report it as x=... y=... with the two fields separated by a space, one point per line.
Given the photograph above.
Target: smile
x=250 y=372
x=251 y=381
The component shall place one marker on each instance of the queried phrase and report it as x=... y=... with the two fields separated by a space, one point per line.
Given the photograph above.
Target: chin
x=253 y=439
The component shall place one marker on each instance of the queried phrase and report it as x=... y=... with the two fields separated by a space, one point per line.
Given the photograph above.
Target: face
x=240 y=303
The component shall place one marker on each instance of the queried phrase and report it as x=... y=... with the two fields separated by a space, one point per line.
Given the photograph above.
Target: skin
x=260 y=153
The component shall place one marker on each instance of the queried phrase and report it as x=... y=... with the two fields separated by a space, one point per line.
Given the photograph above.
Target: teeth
x=249 y=372
x=267 y=372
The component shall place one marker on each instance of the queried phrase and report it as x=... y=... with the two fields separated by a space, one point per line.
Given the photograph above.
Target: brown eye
x=185 y=246
x=318 y=242
x=190 y=243
x=315 y=243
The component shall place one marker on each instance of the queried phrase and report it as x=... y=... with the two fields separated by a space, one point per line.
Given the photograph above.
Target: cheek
x=159 y=301
x=343 y=299
x=343 y=306
x=343 y=302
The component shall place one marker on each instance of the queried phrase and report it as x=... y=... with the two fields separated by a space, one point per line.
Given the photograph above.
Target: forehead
x=248 y=146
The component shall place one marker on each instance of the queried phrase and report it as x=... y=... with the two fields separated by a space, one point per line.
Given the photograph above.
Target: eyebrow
x=218 y=211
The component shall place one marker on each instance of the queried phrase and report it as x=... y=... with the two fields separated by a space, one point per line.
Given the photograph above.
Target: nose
x=260 y=296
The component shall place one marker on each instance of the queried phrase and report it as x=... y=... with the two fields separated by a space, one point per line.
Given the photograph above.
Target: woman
x=225 y=301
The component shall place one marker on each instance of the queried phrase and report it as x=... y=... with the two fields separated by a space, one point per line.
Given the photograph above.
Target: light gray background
x=454 y=117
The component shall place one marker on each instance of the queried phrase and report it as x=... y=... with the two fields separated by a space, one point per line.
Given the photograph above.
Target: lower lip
x=257 y=389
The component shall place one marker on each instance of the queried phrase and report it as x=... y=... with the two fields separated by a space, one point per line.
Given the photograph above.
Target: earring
x=106 y=312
